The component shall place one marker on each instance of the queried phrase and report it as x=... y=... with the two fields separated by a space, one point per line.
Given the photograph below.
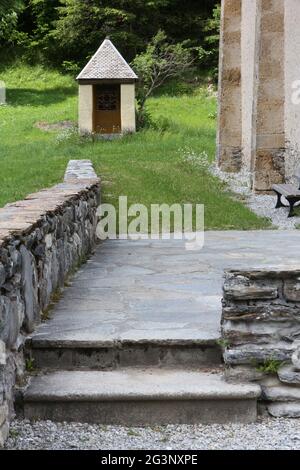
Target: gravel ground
x=266 y=434
x=262 y=205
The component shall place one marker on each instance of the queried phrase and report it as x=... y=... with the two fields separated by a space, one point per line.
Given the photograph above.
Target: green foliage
x=9 y=14
x=7 y=6
x=269 y=366
x=57 y=31
x=70 y=67
x=14 y=433
x=223 y=343
x=212 y=36
x=160 y=62
x=29 y=364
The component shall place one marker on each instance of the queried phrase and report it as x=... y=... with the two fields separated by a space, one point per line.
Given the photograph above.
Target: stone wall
x=261 y=332
x=42 y=239
x=268 y=128
x=252 y=125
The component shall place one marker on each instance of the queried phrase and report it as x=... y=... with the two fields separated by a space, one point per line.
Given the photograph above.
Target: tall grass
x=148 y=167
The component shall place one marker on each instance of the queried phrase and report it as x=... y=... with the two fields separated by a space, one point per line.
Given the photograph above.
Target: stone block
x=238 y=374
x=232 y=76
x=276 y=311
x=2 y=353
x=296 y=355
x=3 y=413
x=280 y=392
x=270 y=141
x=284 y=410
x=291 y=290
x=230 y=159
x=289 y=375
x=239 y=287
x=269 y=169
x=270 y=119
x=12 y=315
x=258 y=353
x=251 y=292
x=273 y=22
x=2 y=274
x=29 y=287
x=4 y=431
x=268 y=333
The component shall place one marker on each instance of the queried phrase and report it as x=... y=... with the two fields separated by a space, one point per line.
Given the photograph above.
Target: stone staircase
x=134 y=384
x=134 y=354
x=138 y=397
x=134 y=340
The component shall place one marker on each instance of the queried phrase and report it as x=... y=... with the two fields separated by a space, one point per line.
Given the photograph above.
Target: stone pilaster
x=85 y=109
x=269 y=127
x=229 y=140
x=128 y=107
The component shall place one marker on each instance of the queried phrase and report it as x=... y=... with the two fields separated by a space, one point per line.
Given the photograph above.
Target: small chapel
x=107 y=93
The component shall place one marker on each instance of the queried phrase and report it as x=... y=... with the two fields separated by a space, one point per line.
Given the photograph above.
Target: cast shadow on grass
x=33 y=97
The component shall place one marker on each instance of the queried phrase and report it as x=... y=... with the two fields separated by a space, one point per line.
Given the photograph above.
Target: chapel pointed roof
x=107 y=64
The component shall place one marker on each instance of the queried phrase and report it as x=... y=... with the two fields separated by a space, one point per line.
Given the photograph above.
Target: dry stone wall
x=261 y=334
x=42 y=239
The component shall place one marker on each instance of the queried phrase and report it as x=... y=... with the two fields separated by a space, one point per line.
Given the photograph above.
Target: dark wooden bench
x=290 y=192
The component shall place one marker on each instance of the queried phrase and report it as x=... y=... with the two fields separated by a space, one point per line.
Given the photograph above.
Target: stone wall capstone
x=42 y=239
x=261 y=334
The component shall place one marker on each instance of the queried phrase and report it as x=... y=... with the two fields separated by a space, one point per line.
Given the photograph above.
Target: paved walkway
x=158 y=291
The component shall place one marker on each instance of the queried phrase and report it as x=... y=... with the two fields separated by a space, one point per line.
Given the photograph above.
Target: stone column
x=249 y=63
x=128 y=107
x=229 y=139
x=269 y=127
x=292 y=86
x=85 y=109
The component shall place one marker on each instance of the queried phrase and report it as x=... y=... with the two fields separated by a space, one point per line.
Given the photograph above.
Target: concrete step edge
x=135 y=385
x=45 y=343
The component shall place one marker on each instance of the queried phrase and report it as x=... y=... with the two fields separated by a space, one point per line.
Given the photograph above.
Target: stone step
x=138 y=397
x=70 y=355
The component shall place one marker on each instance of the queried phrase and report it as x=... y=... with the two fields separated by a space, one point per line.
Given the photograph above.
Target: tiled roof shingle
x=107 y=63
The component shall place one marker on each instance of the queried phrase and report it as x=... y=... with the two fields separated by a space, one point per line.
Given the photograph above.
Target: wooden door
x=107 y=109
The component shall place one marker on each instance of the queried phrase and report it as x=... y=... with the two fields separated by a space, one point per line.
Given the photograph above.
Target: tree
x=82 y=25
x=7 y=6
x=212 y=37
x=58 y=31
x=160 y=62
x=9 y=10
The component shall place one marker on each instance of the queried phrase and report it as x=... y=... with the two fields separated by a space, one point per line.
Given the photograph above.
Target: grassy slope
x=147 y=167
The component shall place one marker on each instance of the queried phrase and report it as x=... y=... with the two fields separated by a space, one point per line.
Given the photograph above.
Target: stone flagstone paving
x=158 y=291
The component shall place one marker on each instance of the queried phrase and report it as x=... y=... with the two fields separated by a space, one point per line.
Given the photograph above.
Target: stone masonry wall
x=42 y=239
x=261 y=333
x=269 y=131
x=252 y=94
x=229 y=138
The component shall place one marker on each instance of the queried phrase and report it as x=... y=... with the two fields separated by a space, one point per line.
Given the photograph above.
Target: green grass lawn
x=148 y=167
